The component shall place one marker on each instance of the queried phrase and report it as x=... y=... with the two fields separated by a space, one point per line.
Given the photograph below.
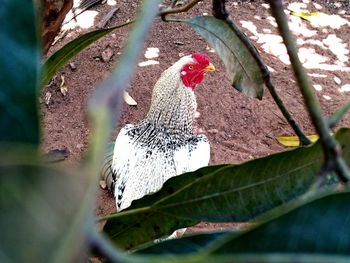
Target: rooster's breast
x=144 y=158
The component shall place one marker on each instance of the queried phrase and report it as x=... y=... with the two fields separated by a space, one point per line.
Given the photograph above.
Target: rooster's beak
x=209 y=68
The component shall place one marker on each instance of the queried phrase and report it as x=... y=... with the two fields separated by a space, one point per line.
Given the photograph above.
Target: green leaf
x=40 y=209
x=321 y=226
x=241 y=66
x=174 y=185
x=64 y=54
x=138 y=227
x=304 y=227
x=232 y=193
x=19 y=71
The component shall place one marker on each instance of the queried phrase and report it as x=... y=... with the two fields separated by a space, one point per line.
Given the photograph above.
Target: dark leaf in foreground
x=19 y=72
x=41 y=214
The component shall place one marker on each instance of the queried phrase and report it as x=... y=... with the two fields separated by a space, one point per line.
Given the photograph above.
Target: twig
x=336 y=117
x=220 y=12
x=163 y=13
x=331 y=148
x=107 y=17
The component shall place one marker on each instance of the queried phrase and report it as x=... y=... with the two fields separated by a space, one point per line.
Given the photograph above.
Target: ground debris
x=72 y=66
x=128 y=99
x=63 y=87
x=47 y=97
x=107 y=18
x=56 y=155
x=107 y=54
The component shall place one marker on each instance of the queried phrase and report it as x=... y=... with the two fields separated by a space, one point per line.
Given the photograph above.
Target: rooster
x=163 y=144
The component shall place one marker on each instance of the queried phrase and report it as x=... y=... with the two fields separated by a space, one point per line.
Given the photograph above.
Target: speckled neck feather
x=172 y=109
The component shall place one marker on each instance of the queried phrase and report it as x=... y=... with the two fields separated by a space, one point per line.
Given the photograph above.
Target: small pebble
x=345 y=88
x=72 y=66
x=214 y=131
x=337 y=80
x=179 y=43
x=103 y=184
x=79 y=145
x=107 y=54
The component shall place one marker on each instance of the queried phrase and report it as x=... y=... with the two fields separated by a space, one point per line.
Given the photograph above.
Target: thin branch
x=163 y=13
x=336 y=117
x=220 y=12
x=330 y=146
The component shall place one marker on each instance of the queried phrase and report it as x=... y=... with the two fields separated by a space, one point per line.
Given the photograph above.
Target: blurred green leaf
x=40 y=209
x=233 y=193
x=68 y=51
x=105 y=104
x=241 y=66
x=242 y=258
x=19 y=71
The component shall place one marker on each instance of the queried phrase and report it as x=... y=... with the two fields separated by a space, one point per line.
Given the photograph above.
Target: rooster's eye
x=190 y=67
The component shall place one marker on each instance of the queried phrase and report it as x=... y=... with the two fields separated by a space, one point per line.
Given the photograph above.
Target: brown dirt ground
x=239 y=128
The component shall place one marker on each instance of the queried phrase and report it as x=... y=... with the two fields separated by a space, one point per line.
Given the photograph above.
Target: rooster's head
x=192 y=69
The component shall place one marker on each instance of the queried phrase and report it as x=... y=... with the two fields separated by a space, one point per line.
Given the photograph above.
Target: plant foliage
x=19 y=73
x=47 y=213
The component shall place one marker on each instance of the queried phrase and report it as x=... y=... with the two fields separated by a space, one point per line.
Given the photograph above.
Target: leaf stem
x=331 y=148
x=220 y=12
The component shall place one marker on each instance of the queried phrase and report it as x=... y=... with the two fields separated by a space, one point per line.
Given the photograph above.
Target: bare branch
x=163 y=13
x=220 y=12
x=330 y=146
x=336 y=117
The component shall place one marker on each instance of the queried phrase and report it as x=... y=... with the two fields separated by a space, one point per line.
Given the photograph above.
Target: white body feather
x=140 y=176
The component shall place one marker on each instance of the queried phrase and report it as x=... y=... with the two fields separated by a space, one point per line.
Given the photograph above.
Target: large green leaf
x=19 y=71
x=233 y=193
x=321 y=226
x=41 y=218
x=241 y=66
x=317 y=229
x=174 y=184
x=64 y=54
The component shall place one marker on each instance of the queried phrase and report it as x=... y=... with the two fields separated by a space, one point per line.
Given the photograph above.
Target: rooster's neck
x=173 y=105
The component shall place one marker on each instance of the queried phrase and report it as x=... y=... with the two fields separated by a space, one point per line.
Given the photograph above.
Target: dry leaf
x=63 y=87
x=128 y=99
x=107 y=54
x=103 y=184
x=47 y=97
x=293 y=141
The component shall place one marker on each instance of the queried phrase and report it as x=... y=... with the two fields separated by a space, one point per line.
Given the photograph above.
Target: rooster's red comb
x=201 y=58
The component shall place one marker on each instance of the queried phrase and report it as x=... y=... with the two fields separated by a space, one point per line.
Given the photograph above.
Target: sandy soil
x=239 y=128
